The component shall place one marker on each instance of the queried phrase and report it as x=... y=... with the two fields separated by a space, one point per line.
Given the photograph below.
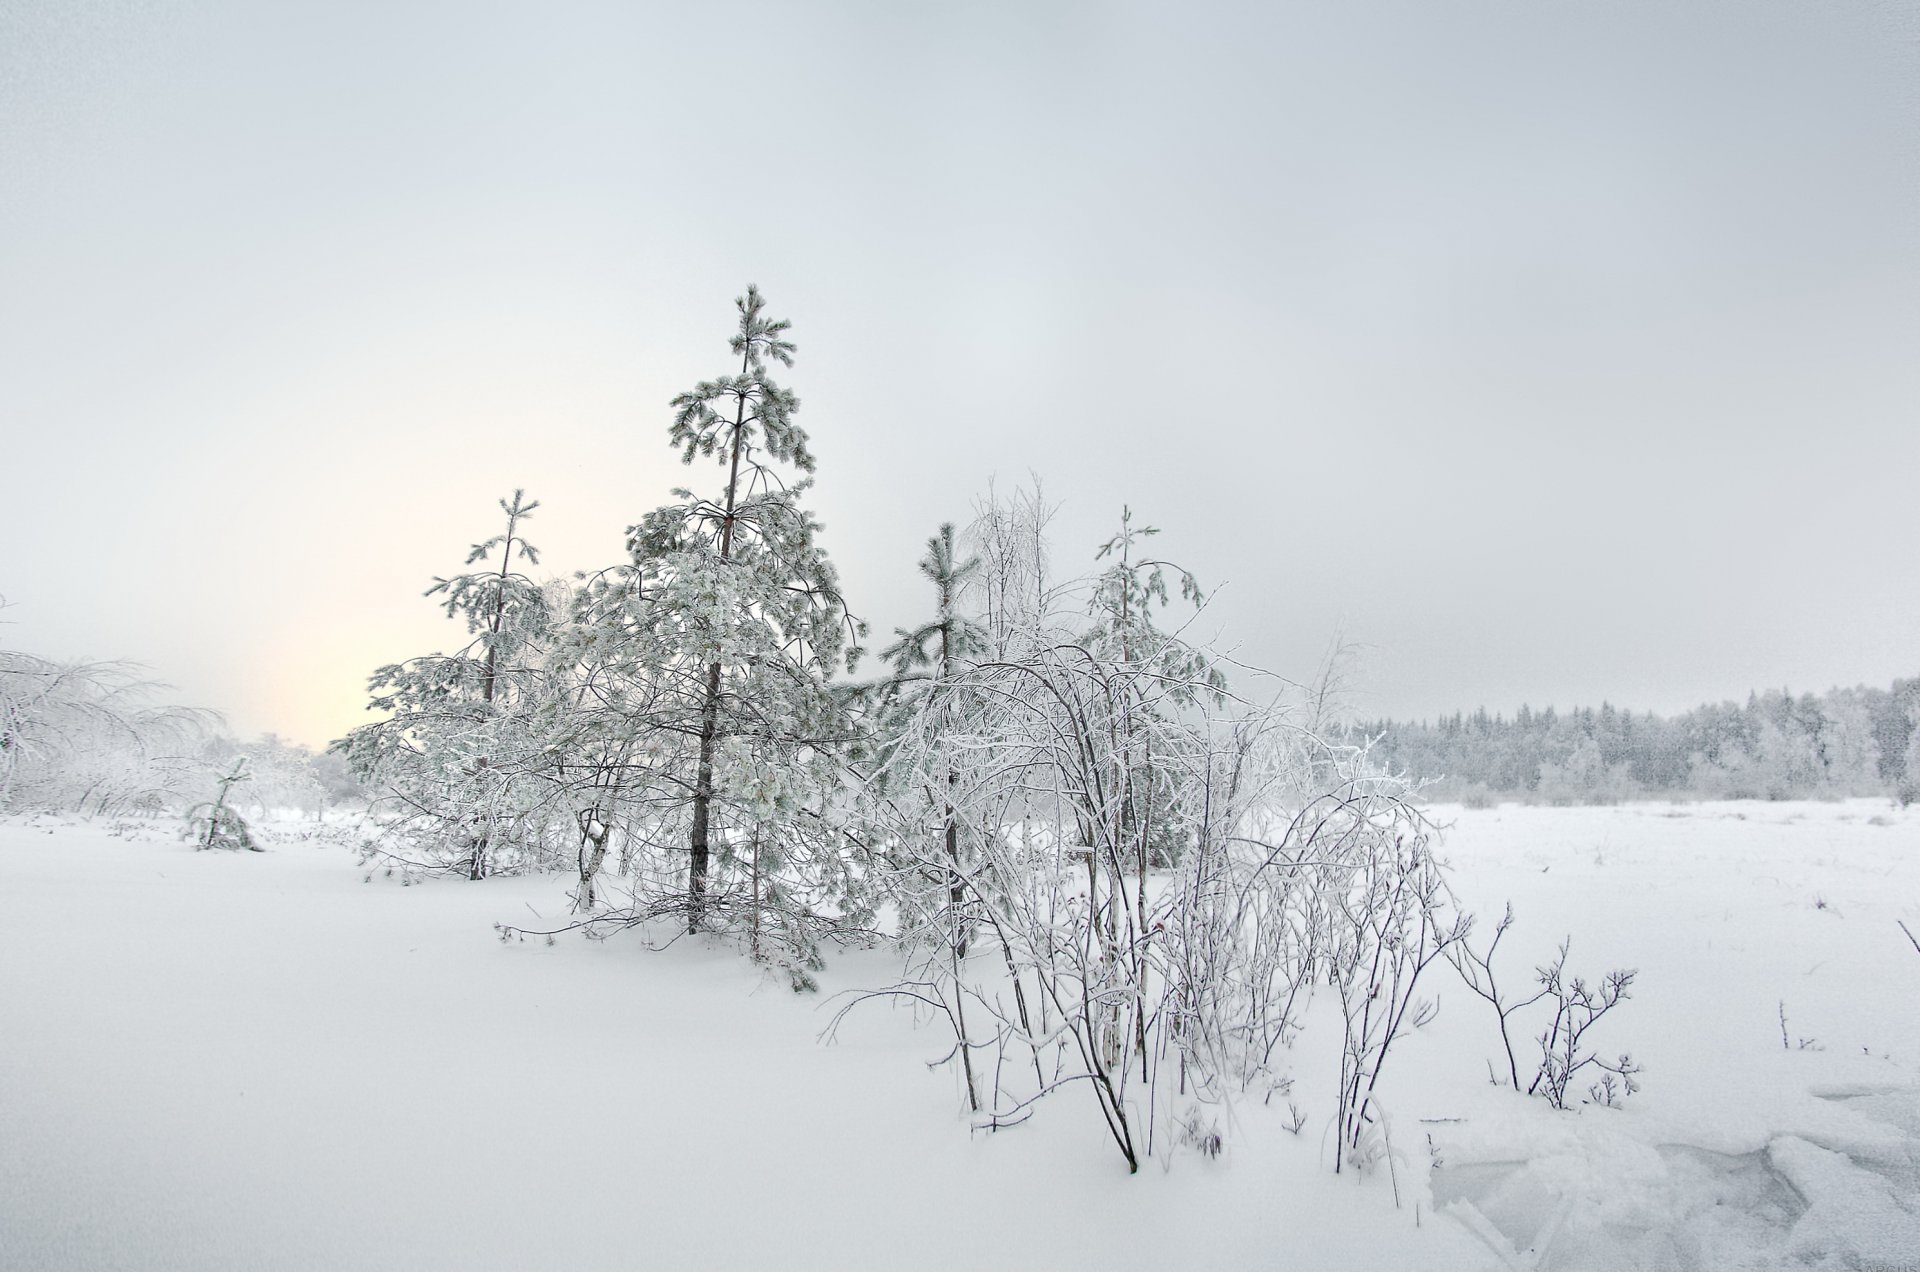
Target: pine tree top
x=732 y=413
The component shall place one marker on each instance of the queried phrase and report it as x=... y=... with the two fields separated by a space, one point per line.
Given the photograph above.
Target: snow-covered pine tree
x=1154 y=672
x=925 y=662
x=927 y=721
x=741 y=616
x=462 y=764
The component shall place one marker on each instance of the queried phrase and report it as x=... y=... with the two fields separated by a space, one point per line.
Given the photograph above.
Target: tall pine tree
x=742 y=616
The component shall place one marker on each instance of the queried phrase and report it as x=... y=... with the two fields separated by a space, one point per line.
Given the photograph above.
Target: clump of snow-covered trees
x=676 y=709
x=1111 y=868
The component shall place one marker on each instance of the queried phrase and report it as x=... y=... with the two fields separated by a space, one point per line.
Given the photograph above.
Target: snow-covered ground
x=214 y=1061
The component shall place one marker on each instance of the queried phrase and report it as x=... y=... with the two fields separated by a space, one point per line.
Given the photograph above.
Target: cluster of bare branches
x=1112 y=873
x=1573 y=1008
x=1394 y=917
x=1564 y=1051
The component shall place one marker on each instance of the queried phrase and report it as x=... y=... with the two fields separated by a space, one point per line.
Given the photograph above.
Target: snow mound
x=1852 y=1214
x=1619 y=1206
x=1599 y=1199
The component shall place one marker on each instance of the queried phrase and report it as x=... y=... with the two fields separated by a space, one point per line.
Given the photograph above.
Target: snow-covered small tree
x=218 y=823
x=925 y=663
x=1154 y=673
x=1013 y=588
x=925 y=781
x=462 y=768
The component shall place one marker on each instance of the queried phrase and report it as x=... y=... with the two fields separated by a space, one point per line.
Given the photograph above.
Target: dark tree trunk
x=699 y=841
x=703 y=801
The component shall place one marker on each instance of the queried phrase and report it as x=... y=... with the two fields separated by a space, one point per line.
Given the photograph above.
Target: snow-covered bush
x=1392 y=917
x=86 y=737
x=1113 y=874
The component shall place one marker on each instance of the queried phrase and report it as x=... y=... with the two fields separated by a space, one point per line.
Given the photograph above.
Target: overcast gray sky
x=1554 y=351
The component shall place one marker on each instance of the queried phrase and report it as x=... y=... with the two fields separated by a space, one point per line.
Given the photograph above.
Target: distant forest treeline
x=1843 y=743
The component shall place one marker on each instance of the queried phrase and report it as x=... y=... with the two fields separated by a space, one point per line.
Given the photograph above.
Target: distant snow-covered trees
x=1907 y=783
x=1846 y=742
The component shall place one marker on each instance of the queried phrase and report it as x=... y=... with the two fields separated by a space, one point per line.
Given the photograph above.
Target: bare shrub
x=1576 y=1008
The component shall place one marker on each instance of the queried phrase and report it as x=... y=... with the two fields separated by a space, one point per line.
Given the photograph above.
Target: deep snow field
x=227 y=1061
